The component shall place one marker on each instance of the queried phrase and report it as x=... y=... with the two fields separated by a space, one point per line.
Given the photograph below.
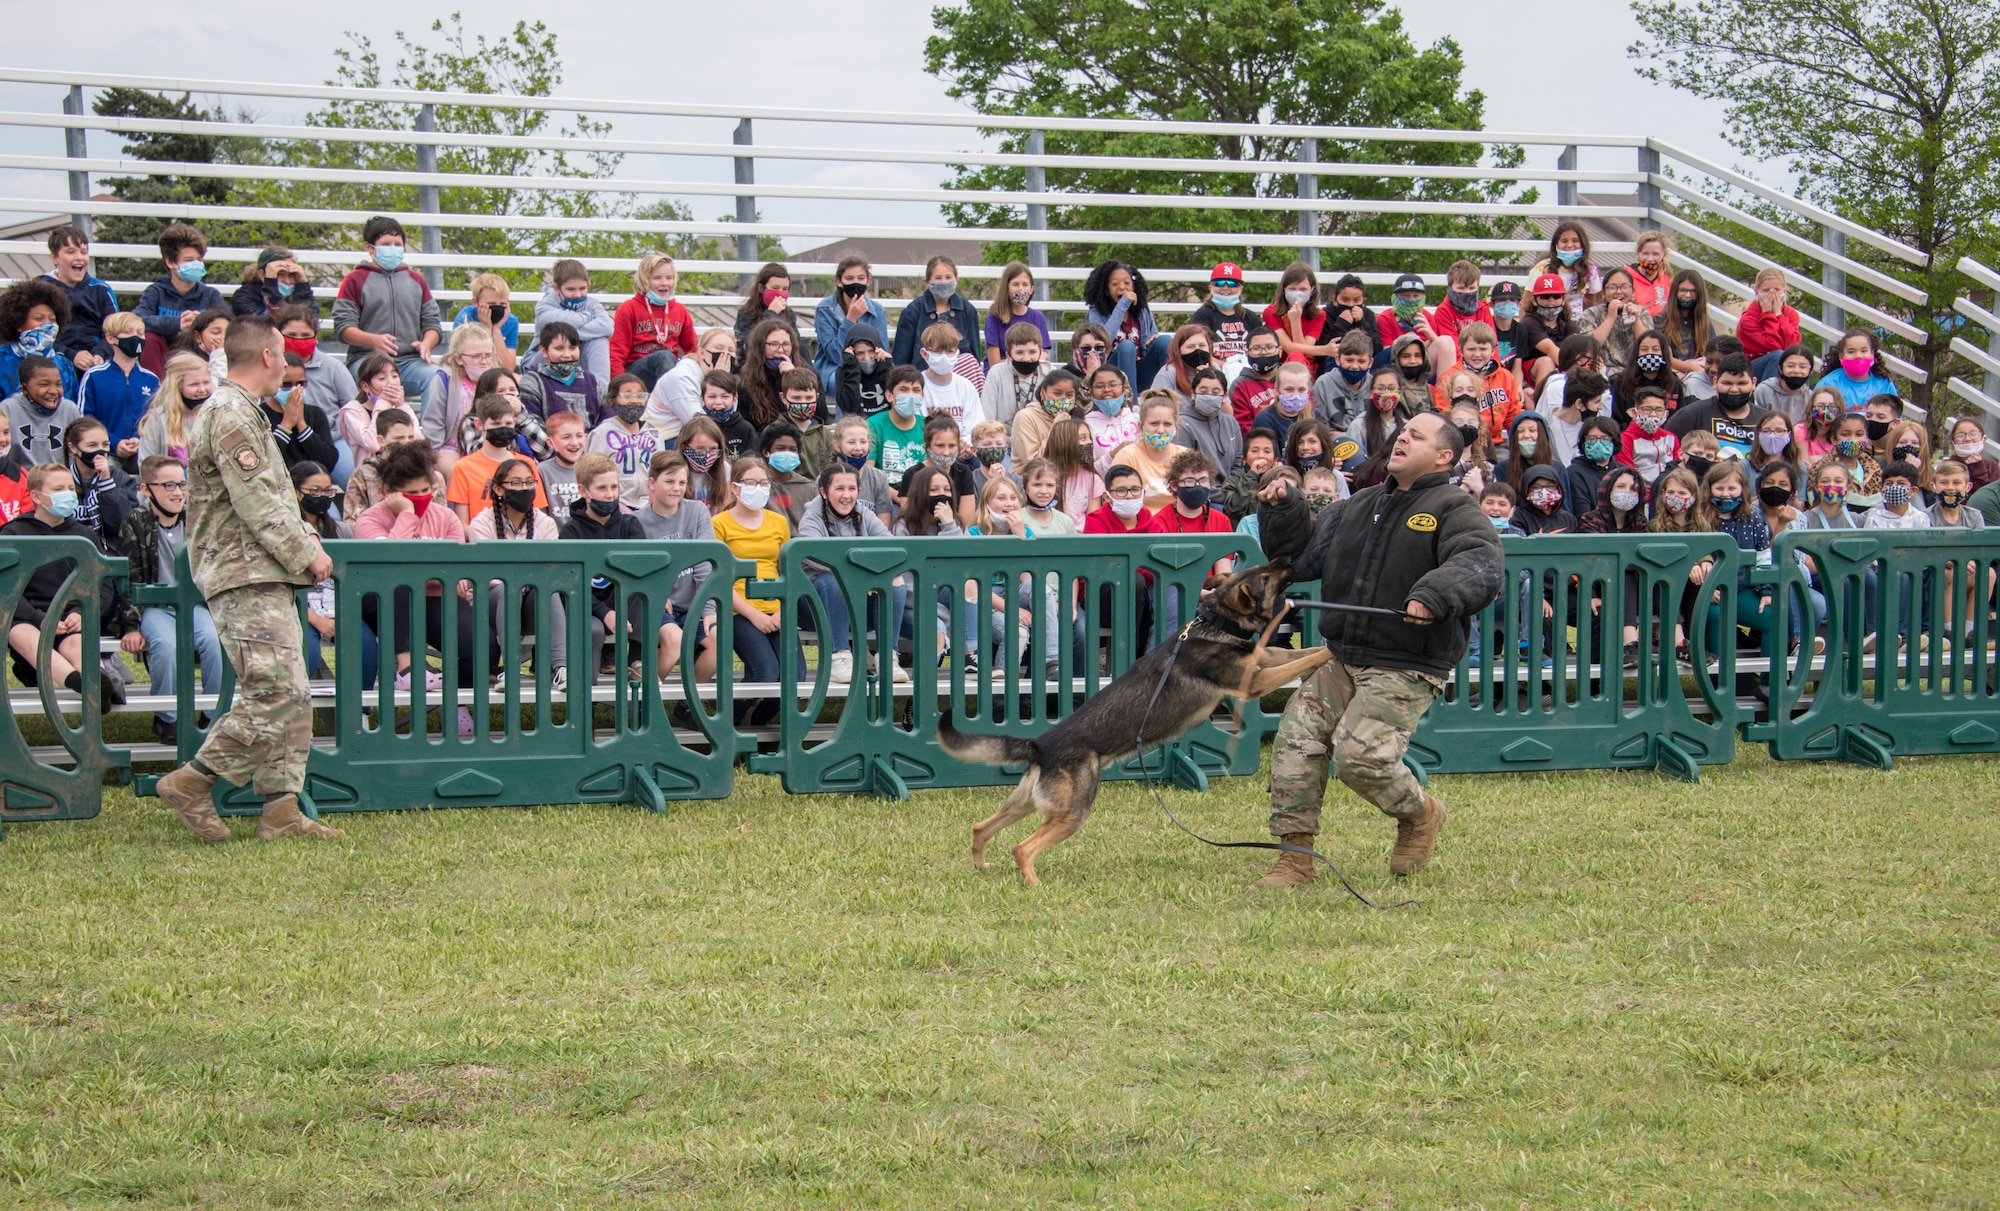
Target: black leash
x=1140 y=741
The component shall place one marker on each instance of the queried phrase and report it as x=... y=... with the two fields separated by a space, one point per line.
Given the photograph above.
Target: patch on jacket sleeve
x=1423 y=523
x=1345 y=448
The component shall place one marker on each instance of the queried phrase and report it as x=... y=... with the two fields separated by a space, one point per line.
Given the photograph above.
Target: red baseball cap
x=1549 y=283
x=1227 y=272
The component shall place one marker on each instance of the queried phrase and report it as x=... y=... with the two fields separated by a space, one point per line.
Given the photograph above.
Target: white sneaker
x=559 y=681
x=898 y=674
x=842 y=668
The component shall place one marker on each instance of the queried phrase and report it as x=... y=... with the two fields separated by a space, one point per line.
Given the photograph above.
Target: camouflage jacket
x=246 y=527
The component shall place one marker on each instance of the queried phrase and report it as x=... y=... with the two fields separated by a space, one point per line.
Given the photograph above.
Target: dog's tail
x=992 y=750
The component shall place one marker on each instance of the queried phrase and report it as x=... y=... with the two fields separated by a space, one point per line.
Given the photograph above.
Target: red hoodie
x=1762 y=333
x=14 y=497
x=639 y=329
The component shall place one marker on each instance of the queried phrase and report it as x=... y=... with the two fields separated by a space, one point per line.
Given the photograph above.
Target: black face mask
x=1877 y=429
x=1774 y=497
x=1697 y=465
x=1024 y=369
x=1470 y=434
x=1264 y=363
x=1194 y=359
x=496 y=312
x=991 y=456
x=854 y=290
x=318 y=506
x=1413 y=374
x=501 y=435
x=1793 y=382
x=518 y=499
x=1733 y=400
x=602 y=508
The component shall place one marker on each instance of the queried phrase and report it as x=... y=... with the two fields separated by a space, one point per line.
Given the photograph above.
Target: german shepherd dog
x=1218 y=657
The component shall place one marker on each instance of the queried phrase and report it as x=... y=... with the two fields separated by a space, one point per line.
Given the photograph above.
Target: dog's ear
x=1241 y=599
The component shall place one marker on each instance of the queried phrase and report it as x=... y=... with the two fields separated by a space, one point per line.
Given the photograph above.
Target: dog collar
x=1208 y=618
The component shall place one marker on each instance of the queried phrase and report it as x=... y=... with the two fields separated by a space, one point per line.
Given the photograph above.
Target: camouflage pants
x=263 y=740
x=1359 y=721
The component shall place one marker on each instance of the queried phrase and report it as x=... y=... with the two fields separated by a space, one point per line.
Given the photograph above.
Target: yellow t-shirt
x=760 y=544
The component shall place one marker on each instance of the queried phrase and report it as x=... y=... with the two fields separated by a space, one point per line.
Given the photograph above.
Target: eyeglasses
x=320 y=493
x=1126 y=493
x=1083 y=349
x=169 y=485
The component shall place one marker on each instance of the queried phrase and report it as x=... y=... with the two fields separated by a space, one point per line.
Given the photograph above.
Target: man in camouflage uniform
x=249 y=549
x=1418 y=544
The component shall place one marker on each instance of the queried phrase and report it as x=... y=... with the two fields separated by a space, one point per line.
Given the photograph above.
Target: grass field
x=1778 y=989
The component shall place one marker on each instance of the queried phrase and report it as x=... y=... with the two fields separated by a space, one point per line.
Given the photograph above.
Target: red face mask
x=420 y=501
x=770 y=295
x=305 y=347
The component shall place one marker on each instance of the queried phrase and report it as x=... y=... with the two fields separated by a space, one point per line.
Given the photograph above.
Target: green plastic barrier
x=31 y=789
x=882 y=738
x=1533 y=700
x=401 y=749
x=1933 y=692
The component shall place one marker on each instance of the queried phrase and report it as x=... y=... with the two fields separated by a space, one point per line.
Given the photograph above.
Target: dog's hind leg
x=1065 y=799
x=1017 y=807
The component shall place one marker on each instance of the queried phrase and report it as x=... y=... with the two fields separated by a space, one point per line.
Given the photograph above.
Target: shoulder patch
x=1345 y=448
x=1423 y=523
x=250 y=460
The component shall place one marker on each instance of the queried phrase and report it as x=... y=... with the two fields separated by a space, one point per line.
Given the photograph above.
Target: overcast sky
x=865 y=54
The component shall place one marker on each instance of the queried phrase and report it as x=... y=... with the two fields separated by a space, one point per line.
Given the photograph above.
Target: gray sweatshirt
x=376 y=300
x=38 y=435
x=1336 y=403
x=591 y=322
x=691 y=520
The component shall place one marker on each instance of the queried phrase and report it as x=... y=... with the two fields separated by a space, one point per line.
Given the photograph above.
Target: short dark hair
x=1643 y=394
x=490 y=408
x=1118 y=471
x=1189 y=462
x=722 y=380
x=782 y=427
x=178 y=237
x=557 y=328
x=379 y=226
x=898 y=375
x=1259 y=330
x=1450 y=438
x=1347 y=280
x=33 y=364
x=1269 y=435
x=65 y=235
x=1733 y=363
x=389 y=418
x=1894 y=401
x=1722 y=345
x=798 y=378
x=1501 y=488
x=250 y=335
x=1895 y=470
x=1582 y=385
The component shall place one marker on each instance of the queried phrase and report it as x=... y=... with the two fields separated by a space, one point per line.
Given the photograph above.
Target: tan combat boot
x=1416 y=836
x=282 y=818
x=186 y=790
x=1292 y=870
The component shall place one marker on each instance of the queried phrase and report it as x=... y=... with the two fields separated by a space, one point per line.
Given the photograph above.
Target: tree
x=1329 y=62
x=166 y=187
x=1886 y=111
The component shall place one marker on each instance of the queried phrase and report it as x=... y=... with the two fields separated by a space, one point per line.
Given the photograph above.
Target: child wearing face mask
x=1340 y=396
x=1851 y=451
x=1293 y=402
x=1205 y=422
x=861 y=383
x=472 y=476
x=1012 y=381
x=790 y=489
x=118 y=391
x=1787 y=389
x=806 y=411
x=53 y=493
x=1647 y=445
x=1155 y=450
x=559 y=383
x=624 y=438
x=1239 y=489
x=568 y=301
x=1256 y=387
x=895 y=434
x=945 y=389
x=14 y=496
x=1968 y=446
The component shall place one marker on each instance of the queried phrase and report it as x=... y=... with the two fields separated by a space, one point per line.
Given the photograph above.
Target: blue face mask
x=284 y=396
x=1725 y=504
x=907 y=406
x=857 y=461
x=1570 y=256
x=782 y=461
x=727 y=414
x=1225 y=301
x=1353 y=376
x=389 y=256
x=570 y=304
x=1110 y=407
x=192 y=271
x=39 y=339
x=1501 y=523
x=659 y=300
x=284 y=289
x=63 y=503
x=1507 y=311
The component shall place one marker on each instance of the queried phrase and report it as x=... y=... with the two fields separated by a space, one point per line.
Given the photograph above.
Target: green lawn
x=1775 y=989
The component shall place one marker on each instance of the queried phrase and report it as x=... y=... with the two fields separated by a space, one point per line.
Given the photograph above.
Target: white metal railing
x=1652 y=179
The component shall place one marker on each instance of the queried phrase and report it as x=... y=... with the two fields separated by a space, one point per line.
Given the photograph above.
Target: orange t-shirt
x=473 y=474
x=1500 y=403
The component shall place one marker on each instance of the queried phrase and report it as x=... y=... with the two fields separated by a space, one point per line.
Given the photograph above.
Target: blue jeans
x=1140 y=366
x=839 y=636
x=157 y=625
x=416 y=374
x=650 y=367
x=343 y=466
x=759 y=653
x=316 y=667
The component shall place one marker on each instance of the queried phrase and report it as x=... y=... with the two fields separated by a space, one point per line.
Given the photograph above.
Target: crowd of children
x=1600 y=399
